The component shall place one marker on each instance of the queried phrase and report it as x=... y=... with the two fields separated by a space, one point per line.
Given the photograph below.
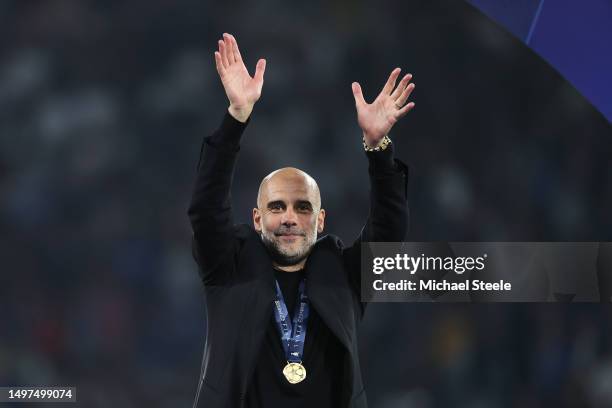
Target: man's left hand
x=377 y=118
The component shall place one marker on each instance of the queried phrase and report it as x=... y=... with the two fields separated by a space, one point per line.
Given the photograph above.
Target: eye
x=275 y=207
x=304 y=207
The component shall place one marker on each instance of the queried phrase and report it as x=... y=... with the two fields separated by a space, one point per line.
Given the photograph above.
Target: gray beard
x=279 y=257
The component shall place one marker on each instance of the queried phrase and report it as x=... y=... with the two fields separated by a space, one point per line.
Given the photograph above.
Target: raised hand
x=377 y=118
x=241 y=89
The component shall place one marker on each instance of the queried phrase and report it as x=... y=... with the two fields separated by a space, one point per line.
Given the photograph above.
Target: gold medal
x=294 y=372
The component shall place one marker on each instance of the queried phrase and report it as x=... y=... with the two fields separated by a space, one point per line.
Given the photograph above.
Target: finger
x=401 y=86
x=358 y=94
x=391 y=81
x=222 y=51
x=230 y=48
x=404 y=96
x=404 y=110
x=219 y=64
x=260 y=69
x=237 y=55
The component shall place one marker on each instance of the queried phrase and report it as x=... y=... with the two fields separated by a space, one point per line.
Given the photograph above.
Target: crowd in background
x=103 y=107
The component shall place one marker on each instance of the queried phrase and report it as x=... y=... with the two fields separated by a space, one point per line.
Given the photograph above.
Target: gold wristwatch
x=381 y=146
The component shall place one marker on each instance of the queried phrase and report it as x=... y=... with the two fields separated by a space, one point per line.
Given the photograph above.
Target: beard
x=282 y=255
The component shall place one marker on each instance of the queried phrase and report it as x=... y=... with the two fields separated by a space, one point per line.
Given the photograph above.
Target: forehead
x=289 y=188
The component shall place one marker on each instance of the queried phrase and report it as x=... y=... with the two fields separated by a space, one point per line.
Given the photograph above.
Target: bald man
x=288 y=217
x=283 y=304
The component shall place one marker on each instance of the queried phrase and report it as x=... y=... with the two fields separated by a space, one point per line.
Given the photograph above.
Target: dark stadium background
x=103 y=106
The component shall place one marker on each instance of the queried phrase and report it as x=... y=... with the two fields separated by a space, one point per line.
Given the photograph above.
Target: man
x=283 y=307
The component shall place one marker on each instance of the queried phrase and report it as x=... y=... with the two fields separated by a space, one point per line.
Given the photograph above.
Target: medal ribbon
x=293 y=334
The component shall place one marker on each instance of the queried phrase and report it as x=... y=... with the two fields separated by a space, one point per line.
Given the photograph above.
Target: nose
x=289 y=217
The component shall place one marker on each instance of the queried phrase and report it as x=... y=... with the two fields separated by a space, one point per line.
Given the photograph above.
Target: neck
x=290 y=268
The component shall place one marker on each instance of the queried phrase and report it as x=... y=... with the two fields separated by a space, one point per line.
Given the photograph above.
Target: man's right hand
x=241 y=90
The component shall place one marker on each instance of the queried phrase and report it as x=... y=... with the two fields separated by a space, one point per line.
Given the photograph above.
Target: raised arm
x=388 y=197
x=388 y=217
x=210 y=211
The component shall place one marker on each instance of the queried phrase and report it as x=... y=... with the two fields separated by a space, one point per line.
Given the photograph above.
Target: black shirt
x=323 y=359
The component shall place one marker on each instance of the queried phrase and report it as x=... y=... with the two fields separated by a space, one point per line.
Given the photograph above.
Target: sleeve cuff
x=382 y=161
x=229 y=133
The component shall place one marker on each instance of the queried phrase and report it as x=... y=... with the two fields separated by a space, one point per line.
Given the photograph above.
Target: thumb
x=358 y=94
x=259 y=70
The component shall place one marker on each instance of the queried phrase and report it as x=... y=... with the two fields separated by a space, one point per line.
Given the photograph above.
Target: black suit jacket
x=238 y=279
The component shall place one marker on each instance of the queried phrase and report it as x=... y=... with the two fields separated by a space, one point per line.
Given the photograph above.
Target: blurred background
x=103 y=107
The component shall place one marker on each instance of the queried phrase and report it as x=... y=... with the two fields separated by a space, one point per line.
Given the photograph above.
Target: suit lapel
x=329 y=291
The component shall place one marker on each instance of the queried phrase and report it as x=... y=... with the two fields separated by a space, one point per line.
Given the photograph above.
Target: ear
x=321 y=221
x=257 y=219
